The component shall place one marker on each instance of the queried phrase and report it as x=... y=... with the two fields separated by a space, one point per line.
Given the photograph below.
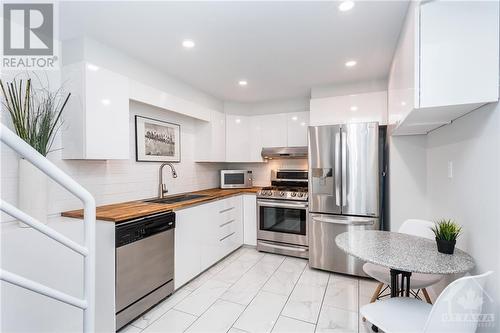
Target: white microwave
x=236 y=178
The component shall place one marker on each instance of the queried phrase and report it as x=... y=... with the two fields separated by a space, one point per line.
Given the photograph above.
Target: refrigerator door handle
x=344 y=169
x=337 y=169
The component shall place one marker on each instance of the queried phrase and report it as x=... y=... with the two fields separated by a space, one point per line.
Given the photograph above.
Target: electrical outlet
x=450 y=169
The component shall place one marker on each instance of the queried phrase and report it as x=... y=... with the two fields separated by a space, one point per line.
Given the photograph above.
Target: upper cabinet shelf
x=446 y=64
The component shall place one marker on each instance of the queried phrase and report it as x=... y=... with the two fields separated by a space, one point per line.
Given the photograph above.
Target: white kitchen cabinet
x=188 y=237
x=250 y=219
x=446 y=64
x=205 y=234
x=273 y=130
x=242 y=139
x=96 y=118
x=367 y=107
x=297 y=123
x=211 y=139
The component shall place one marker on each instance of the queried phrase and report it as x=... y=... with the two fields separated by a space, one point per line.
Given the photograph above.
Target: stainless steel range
x=282 y=216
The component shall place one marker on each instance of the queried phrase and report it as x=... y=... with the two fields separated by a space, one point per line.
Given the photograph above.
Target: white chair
x=457 y=310
x=419 y=281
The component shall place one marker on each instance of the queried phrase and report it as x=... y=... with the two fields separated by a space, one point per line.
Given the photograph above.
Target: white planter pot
x=32 y=192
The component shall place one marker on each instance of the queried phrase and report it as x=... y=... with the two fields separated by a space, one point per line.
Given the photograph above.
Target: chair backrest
x=459 y=307
x=420 y=228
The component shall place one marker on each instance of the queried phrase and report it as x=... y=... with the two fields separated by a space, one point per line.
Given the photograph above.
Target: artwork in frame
x=157 y=141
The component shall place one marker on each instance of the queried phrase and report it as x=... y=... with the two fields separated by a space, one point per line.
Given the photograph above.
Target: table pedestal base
x=395 y=286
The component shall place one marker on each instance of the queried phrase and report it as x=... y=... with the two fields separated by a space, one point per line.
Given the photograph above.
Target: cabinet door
x=211 y=139
x=187 y=244
x=273 y=130
x=107 y=119
x=297 y=123
x=459 y=43
x=237 y=138
x=250 y=220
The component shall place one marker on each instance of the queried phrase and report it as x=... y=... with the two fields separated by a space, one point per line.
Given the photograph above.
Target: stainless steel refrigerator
x=344 y=179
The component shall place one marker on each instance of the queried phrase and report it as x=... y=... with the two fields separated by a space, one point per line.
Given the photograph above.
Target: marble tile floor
x=250 y=291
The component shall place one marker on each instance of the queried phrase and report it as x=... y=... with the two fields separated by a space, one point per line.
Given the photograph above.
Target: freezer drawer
x=324 y=253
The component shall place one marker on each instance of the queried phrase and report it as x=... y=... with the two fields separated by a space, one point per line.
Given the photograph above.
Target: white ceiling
x=281 y=48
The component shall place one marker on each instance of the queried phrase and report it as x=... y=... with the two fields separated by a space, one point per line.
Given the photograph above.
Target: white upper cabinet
x=297 y=123
x=242 y=139
x=211 y=139
x=273 y=129
x=367 y=107
x=96 y=118
x=446 y=64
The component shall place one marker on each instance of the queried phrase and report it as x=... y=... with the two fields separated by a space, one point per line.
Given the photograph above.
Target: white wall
x=472 y=196
x=278 y=106
x=262 y=171
x=420 y=187
x=407 y=179
x=331 y=90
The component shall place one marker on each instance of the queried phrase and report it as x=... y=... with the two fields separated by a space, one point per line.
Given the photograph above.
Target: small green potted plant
x=446 y=232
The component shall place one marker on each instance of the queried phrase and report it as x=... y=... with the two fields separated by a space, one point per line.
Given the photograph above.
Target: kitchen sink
x=177 y=198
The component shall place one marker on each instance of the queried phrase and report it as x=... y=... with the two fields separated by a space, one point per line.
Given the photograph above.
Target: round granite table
x=403 y=254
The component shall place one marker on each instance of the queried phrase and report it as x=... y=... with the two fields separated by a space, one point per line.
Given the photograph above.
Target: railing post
x=89 y=266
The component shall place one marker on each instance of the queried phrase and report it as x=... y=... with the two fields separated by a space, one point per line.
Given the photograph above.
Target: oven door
x=282 y=221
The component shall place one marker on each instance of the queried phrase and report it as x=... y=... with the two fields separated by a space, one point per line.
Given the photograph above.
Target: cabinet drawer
x=228 y=227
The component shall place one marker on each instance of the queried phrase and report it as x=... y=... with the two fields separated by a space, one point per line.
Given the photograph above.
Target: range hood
x=284 y=152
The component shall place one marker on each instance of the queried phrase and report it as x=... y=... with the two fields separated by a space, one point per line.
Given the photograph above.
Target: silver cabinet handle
x=227 y=236
x=226 y=210
x=226 y=223
x=344 y=169
x=337 y=169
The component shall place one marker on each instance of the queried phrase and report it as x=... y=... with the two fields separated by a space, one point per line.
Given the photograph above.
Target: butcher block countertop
x=135 y=209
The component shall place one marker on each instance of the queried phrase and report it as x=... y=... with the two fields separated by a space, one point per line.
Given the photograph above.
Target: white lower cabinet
x=250 y=219
x=205 y=234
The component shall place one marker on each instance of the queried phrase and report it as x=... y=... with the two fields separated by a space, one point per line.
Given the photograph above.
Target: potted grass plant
x=446 y=232
x=35 y=116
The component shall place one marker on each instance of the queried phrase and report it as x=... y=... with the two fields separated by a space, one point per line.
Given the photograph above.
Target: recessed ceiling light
x=354 y=108
x=105 y=101
x=242 y=83
x=295 y=118
x=346 y=5
x=237 y=120
x=350 y=63
x=188 y=43
x=302 y=124
x=403 y=103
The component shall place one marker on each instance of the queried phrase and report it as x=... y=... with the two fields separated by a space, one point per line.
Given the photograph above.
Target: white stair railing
x=87 y=304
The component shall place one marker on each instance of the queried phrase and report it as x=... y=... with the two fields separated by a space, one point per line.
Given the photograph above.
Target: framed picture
x=157 y=141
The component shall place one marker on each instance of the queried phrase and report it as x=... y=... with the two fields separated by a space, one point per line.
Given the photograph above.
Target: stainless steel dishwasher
x=144 y=264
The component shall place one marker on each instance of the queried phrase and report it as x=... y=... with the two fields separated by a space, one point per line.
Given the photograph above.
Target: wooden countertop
x=135 y=209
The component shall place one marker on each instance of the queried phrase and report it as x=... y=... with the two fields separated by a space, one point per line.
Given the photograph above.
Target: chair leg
x=426 y=295
x=375 y=295
x=377 y=292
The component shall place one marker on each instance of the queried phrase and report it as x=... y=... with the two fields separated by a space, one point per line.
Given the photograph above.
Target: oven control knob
x=294 y=194
x=300 y=194
x=282 y=193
